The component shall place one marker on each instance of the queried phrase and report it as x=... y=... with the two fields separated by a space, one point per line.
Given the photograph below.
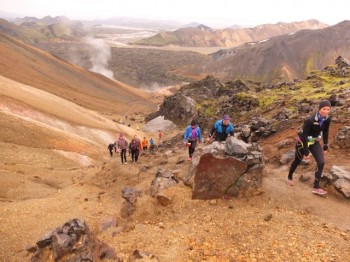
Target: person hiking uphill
x=134 y=147
x=152 y=145
x=144 y=144
x=122 y=145
x=315 y=128
x=110 y=147
x=191 y=136
x=221 y=129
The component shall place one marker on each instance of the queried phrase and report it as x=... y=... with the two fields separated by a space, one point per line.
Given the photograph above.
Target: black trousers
x=317 y=151
x=123 y=155
x=135 y=154
x=192 y=147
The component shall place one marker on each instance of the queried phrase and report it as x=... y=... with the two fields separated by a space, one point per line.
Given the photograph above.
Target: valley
x=57 y=119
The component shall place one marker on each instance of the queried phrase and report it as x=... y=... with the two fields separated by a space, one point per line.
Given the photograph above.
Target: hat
x=193 y=123
x=226 y=117
x=324 y=103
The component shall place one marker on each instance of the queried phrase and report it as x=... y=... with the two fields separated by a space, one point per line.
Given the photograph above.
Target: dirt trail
x=303 y=227
x=330 y=208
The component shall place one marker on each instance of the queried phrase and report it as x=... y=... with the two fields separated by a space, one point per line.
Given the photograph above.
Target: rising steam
x=100 y=53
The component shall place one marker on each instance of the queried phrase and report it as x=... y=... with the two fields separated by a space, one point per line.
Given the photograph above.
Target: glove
x=325 y=147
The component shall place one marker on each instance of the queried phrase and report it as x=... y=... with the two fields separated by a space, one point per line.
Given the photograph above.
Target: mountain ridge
x=228 y=37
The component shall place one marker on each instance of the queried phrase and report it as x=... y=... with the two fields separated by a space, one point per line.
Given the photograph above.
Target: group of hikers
x=134 y=147
x=315 y=128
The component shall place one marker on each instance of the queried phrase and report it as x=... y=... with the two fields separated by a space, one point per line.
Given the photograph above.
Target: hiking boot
x=319 y=191
x=290 y=182
x=125 y=163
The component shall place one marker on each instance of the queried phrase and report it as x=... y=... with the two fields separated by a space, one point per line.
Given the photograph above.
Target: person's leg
x=111 y=152
x=121 y=155
x=137 y=152
x=124 y=153
x=133 y=155
x=193 y=147
x=318 y=154
x=299 y=154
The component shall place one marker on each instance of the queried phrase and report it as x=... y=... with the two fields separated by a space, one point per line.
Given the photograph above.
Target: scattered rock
x=72 y=242
x=342 y=138
x=107 y=223
x=268 y=217
x=340 y=178
x=142 y=255
x=129 y=206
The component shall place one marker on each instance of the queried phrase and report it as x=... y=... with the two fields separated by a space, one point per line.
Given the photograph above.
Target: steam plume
x=100 y=53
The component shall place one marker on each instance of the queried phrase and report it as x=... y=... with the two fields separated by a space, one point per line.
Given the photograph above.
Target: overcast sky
x=226 y=12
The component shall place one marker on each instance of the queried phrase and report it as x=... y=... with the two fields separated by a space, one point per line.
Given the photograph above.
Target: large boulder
x=226 y=169
x=159 y=123
x=340 y=178
x=342 y=138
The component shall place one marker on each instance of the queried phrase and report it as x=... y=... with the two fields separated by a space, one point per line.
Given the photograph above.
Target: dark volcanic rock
x=342 y=138
x=72 y=242
x=231 y=168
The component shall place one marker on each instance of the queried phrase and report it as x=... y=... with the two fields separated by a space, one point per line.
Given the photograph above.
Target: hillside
x=206 y=37
x=145 y=68
x=34 y=30
x=78 y=85
x=283 y=58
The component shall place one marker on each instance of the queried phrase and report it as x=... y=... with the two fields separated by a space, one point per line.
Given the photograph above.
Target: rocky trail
x=281 y=223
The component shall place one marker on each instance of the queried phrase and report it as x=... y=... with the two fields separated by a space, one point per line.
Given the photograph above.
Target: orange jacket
x=145 y=143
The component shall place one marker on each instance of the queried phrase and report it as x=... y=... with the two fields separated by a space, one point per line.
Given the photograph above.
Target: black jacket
x=312 y=128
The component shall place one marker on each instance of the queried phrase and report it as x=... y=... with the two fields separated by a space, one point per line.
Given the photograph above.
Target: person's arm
x=306 y=131
x=232 y=132
x=185 y=135
x=199 y=134
x=212 y=131
x=325 y=134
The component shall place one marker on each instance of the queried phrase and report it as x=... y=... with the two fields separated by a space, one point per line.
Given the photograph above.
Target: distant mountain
x=283 y=57
x=193 y=24
x=204 y=27
x=138 y=23
x=197 y=37
x=33 y=30
x=28 y=35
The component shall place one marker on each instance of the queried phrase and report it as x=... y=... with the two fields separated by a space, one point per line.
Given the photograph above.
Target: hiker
x=144 y=144
x=221 y=129
x=134 y=148
x=160 y=135
x=122 y=145
x=315 y=128
x=152 y=146
x=191 y=136
x=110 y=147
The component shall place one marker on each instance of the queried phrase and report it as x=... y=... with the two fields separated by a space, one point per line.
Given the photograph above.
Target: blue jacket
x=188 y=134
x=218 y=131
